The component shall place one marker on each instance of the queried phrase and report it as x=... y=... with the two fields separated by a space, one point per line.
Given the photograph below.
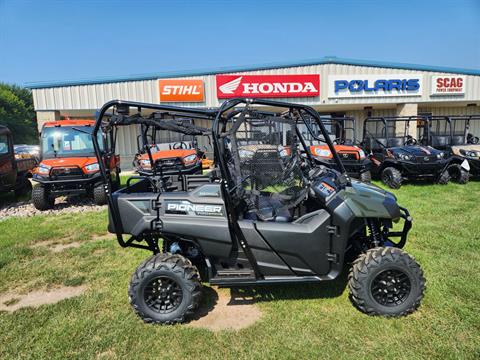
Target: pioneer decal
x=188 y=208
x=267 y=86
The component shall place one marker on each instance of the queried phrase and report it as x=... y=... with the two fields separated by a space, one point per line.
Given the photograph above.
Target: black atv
x=397 y=156
x=342 y=132
x=274 y=217
x=457 y=136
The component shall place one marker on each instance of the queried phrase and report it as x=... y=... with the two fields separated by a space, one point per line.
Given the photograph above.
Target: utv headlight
x=283 y=153
x=245 y=154
x=92 y=167
x=362 y=155
x=440 y=155
x=470 y=153
x=43 y=169
x=323 y=152
x=190 y=158
x=145 y=163
x=403 y=156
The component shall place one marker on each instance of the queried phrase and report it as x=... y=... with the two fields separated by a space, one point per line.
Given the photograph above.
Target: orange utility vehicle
x=68 y=164
x=15 y=169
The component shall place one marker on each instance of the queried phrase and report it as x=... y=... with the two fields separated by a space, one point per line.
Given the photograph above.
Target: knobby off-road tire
x=99 y=195
x=24 y=188
x=386 y=281
x=444 y=178
x=165 y=289
x=366 y=177
x=41 y=198
x=458 y=174
x=392 y=178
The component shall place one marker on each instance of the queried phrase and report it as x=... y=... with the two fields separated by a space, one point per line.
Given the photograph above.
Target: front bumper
x=69 y=186
x=407 y=225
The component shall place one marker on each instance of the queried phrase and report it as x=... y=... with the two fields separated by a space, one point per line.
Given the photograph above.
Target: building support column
x=407 y=109
x=44 y=116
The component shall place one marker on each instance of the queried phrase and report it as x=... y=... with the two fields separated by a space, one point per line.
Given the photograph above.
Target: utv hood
x=69 y=162
x=366 y=200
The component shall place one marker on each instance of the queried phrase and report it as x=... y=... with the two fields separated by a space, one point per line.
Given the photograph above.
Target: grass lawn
x=298 y=322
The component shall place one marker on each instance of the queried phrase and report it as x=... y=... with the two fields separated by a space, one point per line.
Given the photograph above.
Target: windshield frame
x=85 y=130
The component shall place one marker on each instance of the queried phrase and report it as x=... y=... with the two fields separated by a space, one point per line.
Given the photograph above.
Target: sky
x=47 y=40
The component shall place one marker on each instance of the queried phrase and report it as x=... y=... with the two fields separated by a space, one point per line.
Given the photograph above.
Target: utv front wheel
x=458 y=174
x=41 y=198
x=444 y=178
x=366 y=177
x=99 y=195
x=165 y=289
x=386 y=281
x=392 y=177
x=24 y=188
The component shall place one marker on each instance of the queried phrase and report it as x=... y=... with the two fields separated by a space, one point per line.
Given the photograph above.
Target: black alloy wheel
x=163 y=295
x=391 y=287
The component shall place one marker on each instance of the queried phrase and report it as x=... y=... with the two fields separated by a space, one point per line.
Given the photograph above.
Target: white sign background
x=371 y=82
x=438 y=91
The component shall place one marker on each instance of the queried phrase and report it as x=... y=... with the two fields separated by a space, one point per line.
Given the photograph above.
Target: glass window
x=68 y=141
x=3 y=144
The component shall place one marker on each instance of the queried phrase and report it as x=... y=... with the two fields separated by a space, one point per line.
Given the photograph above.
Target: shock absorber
x=374 y=231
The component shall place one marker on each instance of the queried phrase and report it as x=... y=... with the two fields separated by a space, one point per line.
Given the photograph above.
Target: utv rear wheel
x=165 y=289
x=99 y=195
x=366 y=177
x=24 y=188
x=458 y=174
x=392 y=177
x=41 y=198
x=386 y=281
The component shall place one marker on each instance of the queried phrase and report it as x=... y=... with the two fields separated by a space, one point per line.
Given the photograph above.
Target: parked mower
x=15 y=169
x=273 y=218
x=68 y=164
x=457 y=135
x=342 y=132
x=397 y=156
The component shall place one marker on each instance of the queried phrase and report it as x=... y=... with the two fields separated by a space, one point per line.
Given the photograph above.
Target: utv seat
x=396 y=142
x=268 y=209
x=458 y=140
x=440 y=140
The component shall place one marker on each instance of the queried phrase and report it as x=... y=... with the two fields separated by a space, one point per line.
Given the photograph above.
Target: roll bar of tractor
x=220 y=117
x=450 y=121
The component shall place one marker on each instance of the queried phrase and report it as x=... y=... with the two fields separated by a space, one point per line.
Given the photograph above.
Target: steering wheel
x=290 y=167
x=472 y=139
x=180 y=145
x=410 y=140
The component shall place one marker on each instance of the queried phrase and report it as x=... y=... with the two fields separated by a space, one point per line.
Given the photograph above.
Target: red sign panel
x=267 y=86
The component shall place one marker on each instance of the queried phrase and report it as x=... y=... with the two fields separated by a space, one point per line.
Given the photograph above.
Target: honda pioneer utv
x=342 y=132
x=274 y=217
x=457 y=135
x=68 y=164
x=398 y=156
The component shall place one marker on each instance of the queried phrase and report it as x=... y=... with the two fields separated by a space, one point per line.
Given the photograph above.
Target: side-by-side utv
x=458 y=136
x=274 y=217
x=342 y=133
x=397 y=155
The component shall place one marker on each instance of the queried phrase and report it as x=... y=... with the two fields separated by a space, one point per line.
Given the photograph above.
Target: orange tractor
x=68 y=164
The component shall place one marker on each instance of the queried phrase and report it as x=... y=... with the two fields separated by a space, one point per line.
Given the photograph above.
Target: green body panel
x=370 y=201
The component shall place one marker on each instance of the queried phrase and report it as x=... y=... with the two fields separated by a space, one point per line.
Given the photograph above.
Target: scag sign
x=448 y=85
x=347 y=86
x=267 y=86
x=176 y=90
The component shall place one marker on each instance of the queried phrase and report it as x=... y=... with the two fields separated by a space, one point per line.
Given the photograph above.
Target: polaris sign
x=349 y=86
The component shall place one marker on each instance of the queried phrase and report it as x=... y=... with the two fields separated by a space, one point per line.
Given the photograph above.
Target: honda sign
x=267 y=86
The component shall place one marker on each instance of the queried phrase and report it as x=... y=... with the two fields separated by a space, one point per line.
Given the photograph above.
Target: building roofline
x=266 y=66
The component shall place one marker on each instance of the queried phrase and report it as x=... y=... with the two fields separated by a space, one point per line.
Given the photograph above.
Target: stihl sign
x=267 y=86
x=176 y=90
x=448 y=85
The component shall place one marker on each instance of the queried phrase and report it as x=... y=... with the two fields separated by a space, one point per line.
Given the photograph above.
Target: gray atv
x=272 y=217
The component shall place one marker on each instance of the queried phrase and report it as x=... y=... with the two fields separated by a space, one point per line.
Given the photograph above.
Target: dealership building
x=331 y=85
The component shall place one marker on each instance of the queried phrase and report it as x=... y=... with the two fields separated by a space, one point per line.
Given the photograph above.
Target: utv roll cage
x=385 y=135
x=450 y=130
x=163 y=117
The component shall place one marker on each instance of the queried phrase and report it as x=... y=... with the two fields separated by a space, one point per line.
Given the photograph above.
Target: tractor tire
x=392 y=177
x=99 y=195
x=41 y=198
x=444 y=178
x=25 y=188
x=458 y=174
x=165 y=289
x=366 y=177
x=386 y=281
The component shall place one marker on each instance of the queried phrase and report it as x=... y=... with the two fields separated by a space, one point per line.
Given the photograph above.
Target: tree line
x=18 y=114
